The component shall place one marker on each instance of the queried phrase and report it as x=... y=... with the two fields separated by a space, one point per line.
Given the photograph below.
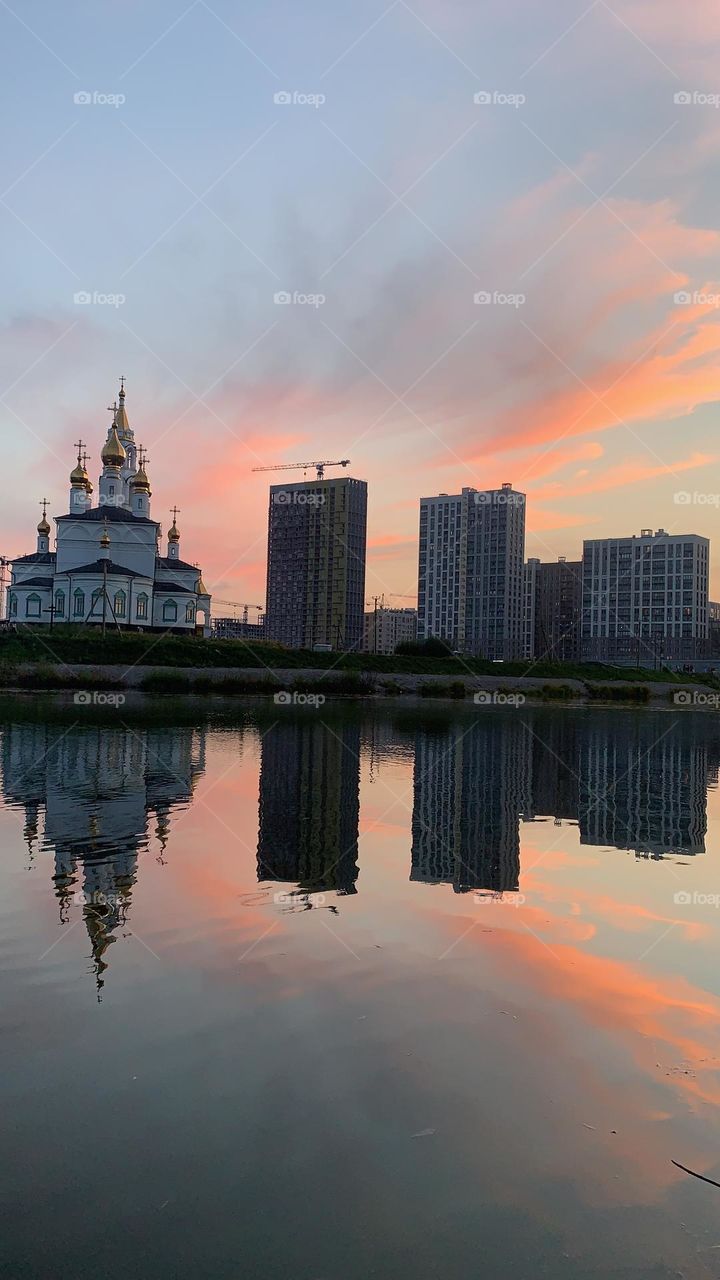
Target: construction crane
x=303 y=466
x=239 y=604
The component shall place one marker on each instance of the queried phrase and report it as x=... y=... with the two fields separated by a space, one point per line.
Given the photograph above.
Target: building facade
x=107 y=566
x=471 y=571
x=645 y=599
x=529 y=597
x=317 y=535
x=385 y=629
x=558 y=607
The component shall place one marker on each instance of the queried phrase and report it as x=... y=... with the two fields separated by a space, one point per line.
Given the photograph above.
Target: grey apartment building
x=645 y=598
x=471 y=571
x=317 y=534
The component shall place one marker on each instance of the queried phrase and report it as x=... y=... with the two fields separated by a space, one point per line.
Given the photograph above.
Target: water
x=359 y=991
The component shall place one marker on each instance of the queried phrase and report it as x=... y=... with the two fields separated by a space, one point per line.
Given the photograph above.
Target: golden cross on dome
x=112 y=408
x=175 y=512
x=79 y=445
x=142 y=457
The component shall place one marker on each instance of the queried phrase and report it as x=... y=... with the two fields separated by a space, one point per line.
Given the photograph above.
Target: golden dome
x=140 y=480
x=80 y=477
x=201 y=588
x=174 y=534
x=113 y=453
x=43 y=526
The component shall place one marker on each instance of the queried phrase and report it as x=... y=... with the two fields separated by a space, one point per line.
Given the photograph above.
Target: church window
x=32 y=606
x=138 y=503
x=13 y=606
x=59 y=602
x=120 y=604
x=142 y=605
x=190 y=612
x=97 y=596
x=170 y=611
x=78 y=603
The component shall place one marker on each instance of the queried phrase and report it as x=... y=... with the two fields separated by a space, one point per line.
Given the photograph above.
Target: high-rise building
x=385 y=629
x=530 y=576
x=471 y=571
x=558 y=605
x=316 y=563
x=645 y=598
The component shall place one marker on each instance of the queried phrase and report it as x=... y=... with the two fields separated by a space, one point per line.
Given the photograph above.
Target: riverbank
x=96 y=683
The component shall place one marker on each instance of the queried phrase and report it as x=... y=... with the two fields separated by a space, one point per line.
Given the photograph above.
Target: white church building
x=107 y=566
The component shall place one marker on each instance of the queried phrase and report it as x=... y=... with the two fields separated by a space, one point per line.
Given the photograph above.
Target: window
x=120 y=604
x=32 y=606
x=170 y=611
x=78 y=603
x=142 y=605
x=190 y=612
x=96 y=603
x=13 y=606
x=60 y=602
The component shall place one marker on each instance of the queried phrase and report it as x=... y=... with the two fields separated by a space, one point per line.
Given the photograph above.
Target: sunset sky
x=397 y=199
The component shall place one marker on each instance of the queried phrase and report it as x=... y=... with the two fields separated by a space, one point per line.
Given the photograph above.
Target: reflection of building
x=639 y=790
x=99 y=789
x=469 y=791
x=310 y=805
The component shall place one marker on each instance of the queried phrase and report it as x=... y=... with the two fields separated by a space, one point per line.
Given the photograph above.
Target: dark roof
x=114 y=515
x=37 y=557
x=33 y=582
x=97 y=567
x=171 y=589
x=177 y=564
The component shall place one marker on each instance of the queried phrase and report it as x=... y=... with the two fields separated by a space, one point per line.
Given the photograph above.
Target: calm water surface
x=359 y=991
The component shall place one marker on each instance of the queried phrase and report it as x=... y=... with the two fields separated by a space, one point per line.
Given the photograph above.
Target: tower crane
x=240 y=604
x=303 y=466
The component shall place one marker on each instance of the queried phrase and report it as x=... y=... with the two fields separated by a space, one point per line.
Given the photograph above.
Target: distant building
x=471 y=571
x=645 y=598
x=317 y=532
x=714 y=628
x=558 y=607
x=529 y=599
x=385 y=629
x=239 y=629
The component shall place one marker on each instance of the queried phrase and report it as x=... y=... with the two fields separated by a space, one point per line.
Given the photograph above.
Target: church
x=107 y=567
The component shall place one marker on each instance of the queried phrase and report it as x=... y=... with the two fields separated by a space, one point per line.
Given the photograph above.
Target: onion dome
x=140 y=481
x=174 y=534
x=43 y=526
x=201 y=588
x=113 y=453
x=79 y=477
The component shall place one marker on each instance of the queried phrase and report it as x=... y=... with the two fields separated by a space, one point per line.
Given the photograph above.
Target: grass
x=85 y=646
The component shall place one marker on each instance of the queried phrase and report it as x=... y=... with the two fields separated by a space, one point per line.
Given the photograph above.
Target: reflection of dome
x=113 y=453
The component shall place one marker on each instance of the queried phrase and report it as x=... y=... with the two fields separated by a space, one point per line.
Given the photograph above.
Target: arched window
x=96 y=602
x=120 y=604
x=190 y=612
x=13 y=605
x=138 y=503
x=170 y=611
x=59 y=603
x=32 y=606
x=78 y=603
x=142 y=605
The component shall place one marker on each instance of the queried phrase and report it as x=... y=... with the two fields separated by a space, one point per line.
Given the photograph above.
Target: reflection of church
x=97 y=798
x=310 y=805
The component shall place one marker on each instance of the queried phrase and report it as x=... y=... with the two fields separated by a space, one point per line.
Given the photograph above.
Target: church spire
x=43 y=529
x=174 y=537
